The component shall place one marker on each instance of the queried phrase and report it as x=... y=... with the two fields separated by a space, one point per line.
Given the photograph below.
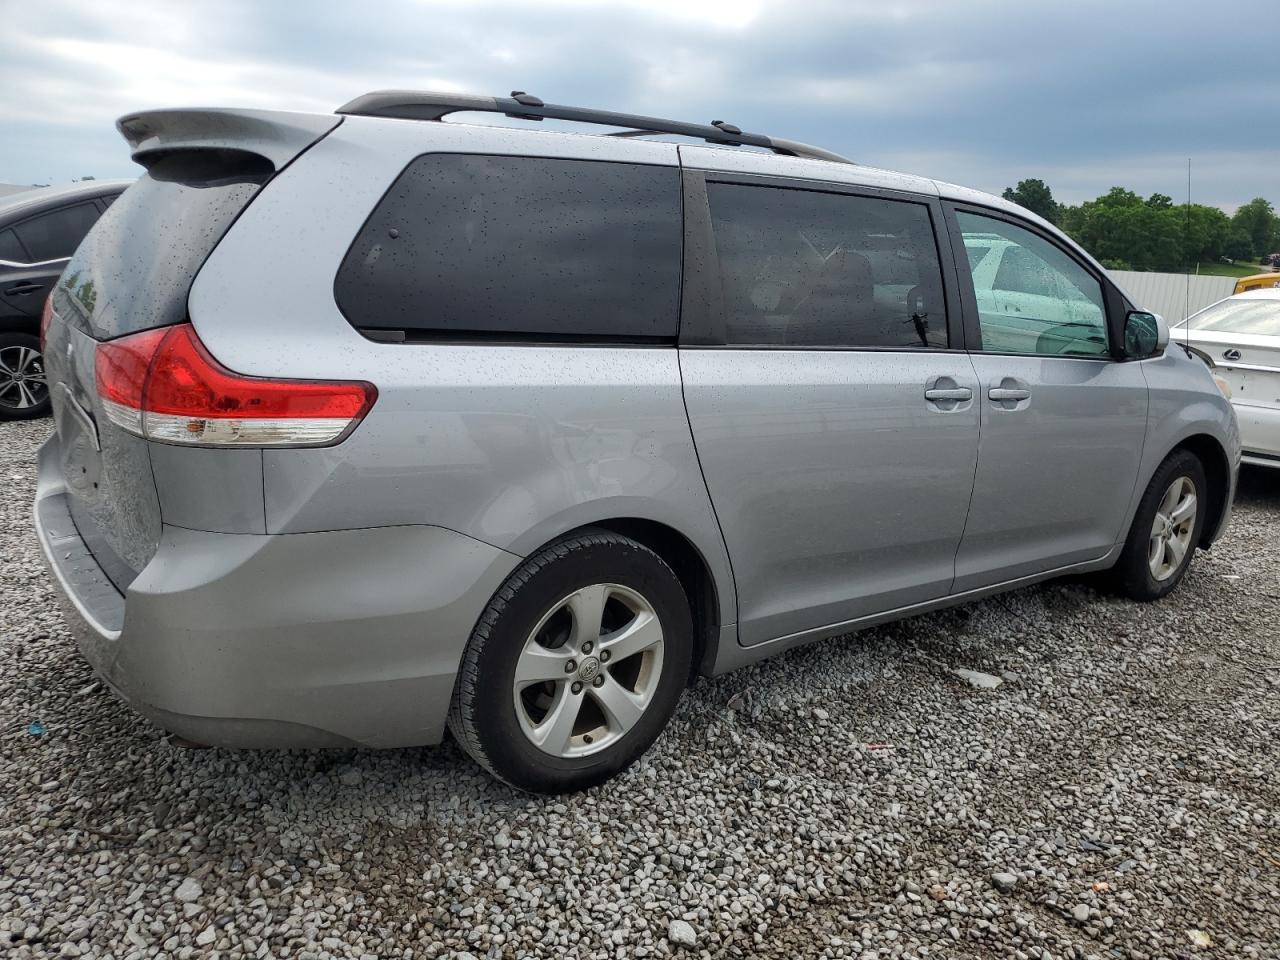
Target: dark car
x=39 y=230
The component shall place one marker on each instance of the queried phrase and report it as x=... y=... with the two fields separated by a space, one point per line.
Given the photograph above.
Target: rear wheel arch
x=690 y=566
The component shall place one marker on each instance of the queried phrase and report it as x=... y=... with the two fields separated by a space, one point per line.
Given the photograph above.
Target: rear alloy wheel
x=588 y=671
x=1165 y=530
x=24 y=390
x=576 y=665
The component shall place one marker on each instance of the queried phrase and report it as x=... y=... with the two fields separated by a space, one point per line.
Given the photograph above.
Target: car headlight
x=1223 y=385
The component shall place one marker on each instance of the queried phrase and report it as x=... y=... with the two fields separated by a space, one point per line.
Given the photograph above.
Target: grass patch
x=1236 y=269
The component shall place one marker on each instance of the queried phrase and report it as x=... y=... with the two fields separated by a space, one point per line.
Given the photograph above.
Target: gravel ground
x=1115 y=796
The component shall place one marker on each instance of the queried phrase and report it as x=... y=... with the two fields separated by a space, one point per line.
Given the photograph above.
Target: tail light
x=164 y=385
x=46 y=316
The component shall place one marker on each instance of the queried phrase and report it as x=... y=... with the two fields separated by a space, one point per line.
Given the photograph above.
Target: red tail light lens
x=46 y=316
x=164 y=385
x=120 y=369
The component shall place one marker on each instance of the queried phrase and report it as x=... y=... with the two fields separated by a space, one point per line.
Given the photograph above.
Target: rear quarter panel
x=510 y=444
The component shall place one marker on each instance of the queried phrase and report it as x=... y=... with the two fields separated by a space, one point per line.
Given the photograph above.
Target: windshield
x=1260 y=317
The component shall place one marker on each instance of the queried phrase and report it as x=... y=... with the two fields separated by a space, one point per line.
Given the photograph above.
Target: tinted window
x=52 y=236
x=10 y=248
x=135 y=268
x=1261 y=317
x=468 y=246
x=823 y=269
x=1032 y=297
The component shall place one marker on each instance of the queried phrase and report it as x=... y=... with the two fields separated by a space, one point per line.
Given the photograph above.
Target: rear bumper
x=341 y=638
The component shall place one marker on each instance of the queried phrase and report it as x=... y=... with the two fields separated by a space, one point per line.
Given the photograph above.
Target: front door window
x=1032 y=297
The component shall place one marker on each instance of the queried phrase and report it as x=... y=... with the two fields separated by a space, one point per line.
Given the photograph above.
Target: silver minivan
x=369 y=425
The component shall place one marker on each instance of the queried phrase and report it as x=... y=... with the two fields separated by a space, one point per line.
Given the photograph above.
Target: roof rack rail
x=423 y=105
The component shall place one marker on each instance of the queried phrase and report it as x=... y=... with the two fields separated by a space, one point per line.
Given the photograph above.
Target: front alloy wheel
x=1165 y=531
x=1171 y=530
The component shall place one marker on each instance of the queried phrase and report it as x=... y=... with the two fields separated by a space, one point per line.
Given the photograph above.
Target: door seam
x=697 y=458
x=977 y=459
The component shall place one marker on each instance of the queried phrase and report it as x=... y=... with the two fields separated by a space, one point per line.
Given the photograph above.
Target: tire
x=622 y=690
x=21 y=396
x=1133 y=574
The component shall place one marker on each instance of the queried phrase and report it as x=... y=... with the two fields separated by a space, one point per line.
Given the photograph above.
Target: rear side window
x=803 y=268
x=466 y=246
x=54 y=235
x=135 y=268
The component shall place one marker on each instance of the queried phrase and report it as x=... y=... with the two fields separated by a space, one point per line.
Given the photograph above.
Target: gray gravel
x=1116 y=795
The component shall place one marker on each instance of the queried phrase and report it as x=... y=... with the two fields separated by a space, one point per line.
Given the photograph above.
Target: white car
x=1240 y=339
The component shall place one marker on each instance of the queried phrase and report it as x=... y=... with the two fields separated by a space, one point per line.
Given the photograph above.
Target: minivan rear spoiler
x=276 y=135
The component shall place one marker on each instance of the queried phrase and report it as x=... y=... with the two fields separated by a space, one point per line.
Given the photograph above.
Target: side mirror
x=1145 y=335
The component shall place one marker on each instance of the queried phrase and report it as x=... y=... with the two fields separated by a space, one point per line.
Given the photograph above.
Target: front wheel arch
x=1217 y=469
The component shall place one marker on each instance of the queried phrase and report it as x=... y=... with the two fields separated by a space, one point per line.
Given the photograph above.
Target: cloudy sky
x=1082 y=94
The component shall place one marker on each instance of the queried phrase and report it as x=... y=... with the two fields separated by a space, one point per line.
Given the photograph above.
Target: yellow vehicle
x=1259 y=281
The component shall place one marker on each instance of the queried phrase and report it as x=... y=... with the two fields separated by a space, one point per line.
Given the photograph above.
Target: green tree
x=1207 y=230
x=1239 y=243
x=1071 y=219
x=1119 y=197
x=1036 y=196
x=1150 y=234
x=1257 y=219
x=1120 y=226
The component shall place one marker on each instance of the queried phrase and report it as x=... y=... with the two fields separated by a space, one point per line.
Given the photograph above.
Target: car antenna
x=1186 y=232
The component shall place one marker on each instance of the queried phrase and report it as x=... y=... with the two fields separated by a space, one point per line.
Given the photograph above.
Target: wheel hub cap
x=588 y=670
x=1172 y=528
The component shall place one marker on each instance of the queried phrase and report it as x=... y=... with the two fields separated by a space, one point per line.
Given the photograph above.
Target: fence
x=1168 y=294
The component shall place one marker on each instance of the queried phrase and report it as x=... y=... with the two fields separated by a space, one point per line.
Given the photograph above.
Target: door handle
x=18 y=289
x=1008 y=393
x=948 y=393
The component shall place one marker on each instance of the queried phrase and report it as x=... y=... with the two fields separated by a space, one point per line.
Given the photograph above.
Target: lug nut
x=570 y=667
x=598 y=681
x=586 y=647
x=577 y=686
x=604 y=656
